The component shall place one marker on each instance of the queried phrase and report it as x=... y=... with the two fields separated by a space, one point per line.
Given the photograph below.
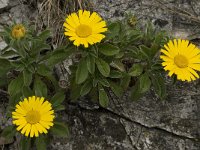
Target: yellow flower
x=181 y=58
x=33 y=116
x=18 y=31
x=84 y=28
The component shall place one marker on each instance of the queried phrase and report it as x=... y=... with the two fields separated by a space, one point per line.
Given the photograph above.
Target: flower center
x=33 y=117
x=83 y=31
x=181 y=61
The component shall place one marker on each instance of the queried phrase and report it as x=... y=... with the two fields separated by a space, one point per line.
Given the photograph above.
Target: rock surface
x=3 y=4
x=180 y=17
x=147 y=124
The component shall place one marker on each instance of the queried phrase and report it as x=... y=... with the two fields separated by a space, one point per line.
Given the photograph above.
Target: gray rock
x=177 y=114
x=102 y=129
x=179 y=17
x=3 y=3
x=2 y=44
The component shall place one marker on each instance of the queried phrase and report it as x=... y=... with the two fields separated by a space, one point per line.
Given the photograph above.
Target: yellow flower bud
x=132 y=21
x=18 y=31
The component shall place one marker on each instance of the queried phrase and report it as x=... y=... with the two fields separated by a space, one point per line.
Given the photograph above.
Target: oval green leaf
x=60 y=129
x=144 y=83
x=103 y=67
x=103 y=98
x=135 y=70
x=85 y=89
x=91 y=64
x=40 y=87
x=108 y=49
x=15 y=85
x=81 y=72
x=27 y=77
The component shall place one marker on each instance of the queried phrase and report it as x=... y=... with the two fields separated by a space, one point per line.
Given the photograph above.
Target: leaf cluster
x=26 y=70
x=128 y=58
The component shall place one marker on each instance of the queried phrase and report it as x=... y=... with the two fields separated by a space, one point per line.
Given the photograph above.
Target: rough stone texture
x=3 y=3
x=3 y=101
x=105 y=129
x=180 y=17
x=147 y=124
x=177 y=114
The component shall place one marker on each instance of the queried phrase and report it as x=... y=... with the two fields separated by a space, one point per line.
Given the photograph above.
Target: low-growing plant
x=116 y=57
x=128 y=56
x=27 y=68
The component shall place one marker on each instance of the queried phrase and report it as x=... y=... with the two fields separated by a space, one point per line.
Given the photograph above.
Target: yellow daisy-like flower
x=181 y=58
x=18 y=31
x=33 y=116
x=84 y=28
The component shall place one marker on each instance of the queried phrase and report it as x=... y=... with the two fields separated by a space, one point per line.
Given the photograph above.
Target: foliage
x=127 y=59
x=27 y=67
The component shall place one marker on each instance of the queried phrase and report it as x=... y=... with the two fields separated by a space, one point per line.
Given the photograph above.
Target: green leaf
x=58 y=98
x=40 y=87
x=103 y=67
x=90 y=64
x=115 y=74
x=144 y=83
x=119 y=55
x=59 y=108
x=125 y=81
x=135 y=70
x=5 y=64
x=15 y=85
x=150 y=31
x=81 y=72
x=3 y=79
x=103 y=98
x=95 y=82
x=75 y=90
x=157 y=67
x=27 y=91
x=44 y=70
x=37 y=46
x=9 y=54
x=104 y=82
x=60 y=129
x=26 y=44
x=8 y=132
x=85 y=89
x=27 y=77
x=94 y=95
x=133 y=36
x=54 y=81
x=108 y=49
x=19 y=48
x=117 y=89
x=59 y=55
x=25 y=143
x=135 y=92
x=44 y=34
x=118 y=65
x=159 y=85
x=146 y=52
x=41 y=143
x=113 y=30
x=14 y=99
